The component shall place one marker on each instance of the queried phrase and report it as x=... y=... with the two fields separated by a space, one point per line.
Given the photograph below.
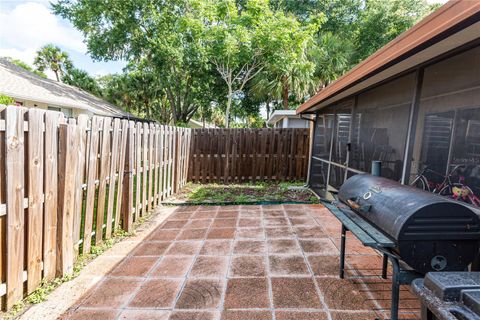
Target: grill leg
x=395 y=289
x=342 y=252
x=385 y=266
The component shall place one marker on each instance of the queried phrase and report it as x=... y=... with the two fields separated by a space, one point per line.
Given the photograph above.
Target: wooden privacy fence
x=248 y=155
x=66 y=184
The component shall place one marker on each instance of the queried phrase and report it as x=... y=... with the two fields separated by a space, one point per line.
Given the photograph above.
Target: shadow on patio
x=245 y=262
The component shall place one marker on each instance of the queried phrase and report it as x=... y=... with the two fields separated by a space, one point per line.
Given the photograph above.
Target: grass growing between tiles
x=244 y=193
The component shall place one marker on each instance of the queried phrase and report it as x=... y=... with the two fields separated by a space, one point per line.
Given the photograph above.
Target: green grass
x=248 y=192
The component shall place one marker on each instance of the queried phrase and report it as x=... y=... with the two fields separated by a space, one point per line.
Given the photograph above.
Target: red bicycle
x=456 y=190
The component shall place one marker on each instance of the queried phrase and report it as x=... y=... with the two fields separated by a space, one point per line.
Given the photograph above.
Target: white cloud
x=30 y=25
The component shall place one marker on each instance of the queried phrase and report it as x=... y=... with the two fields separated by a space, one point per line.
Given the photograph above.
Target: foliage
x=225 y=60
x=81 y=79
x=6 y=100
x=381 y=21
x=53 y=58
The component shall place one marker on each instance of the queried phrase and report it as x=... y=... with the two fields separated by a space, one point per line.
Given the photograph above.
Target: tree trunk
x=56 y=75
x=229 y=104
x=285 y=92
x=267 y=106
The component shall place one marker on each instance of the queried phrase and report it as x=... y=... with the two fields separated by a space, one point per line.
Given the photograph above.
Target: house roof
x=19 y=83
x=454 y=24
x=194 y=124
x=277 y=115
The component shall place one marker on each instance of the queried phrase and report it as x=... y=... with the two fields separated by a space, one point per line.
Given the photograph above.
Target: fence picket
x=102 y=185
x=35 y=198
x=14 y=158
x=112 y=181
x=69 y=137
x=91 y=189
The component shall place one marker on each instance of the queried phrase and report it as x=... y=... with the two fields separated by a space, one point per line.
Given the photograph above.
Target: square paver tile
x=283 y=246
x=216 y=247
x=250 y=214
x=163 y=235
x=353 y=246
x=249 y=223
x=228 y=214
x=295 y=293
x=151 y=248
x=210 y=266
x=365 y=265
x=144 y=315
x=192 y=234
x=324 y=265
x=204 y=215
x=246 y=315
x=344 y=294
x=279 y=232
x=156 y=293
x=247 y=294
x=276 y=222
x=319 y=246
x=250 y=233
x=224 y=223
x=288 y=265
x=290 y=315
x=200 y=294
x=173 y=266
x=134 y=267
x=180 y=216
x=112 y=293
x=355 y=316
x=89 y=314
x=198 y=224
x=221 y=233
x=309 y=232
x=248 y=266
x=174 y=224
x=249 y=247
x=274 y=214
x=303 y=221
x=184 y=248
x=193 y=315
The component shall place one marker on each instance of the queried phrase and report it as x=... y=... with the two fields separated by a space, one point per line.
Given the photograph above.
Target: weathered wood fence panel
x=248 y=155
x=69 y=184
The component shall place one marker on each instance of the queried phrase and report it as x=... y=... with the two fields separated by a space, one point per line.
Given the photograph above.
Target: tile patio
x=244 y=262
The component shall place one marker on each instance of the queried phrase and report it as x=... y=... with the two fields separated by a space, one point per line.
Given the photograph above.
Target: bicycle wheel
x=446 y=191
x=420 y=183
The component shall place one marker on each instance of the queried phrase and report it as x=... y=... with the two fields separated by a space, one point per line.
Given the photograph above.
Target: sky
x=27 y=25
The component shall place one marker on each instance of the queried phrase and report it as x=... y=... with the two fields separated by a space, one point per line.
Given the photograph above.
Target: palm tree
x=53 y=58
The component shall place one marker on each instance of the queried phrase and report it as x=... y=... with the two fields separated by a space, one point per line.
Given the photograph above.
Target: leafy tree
x=81 y=79
x=288 y=71
x=165 y=36
x=6 y=100
x=25 y=66
x=53 y=58
x=381 y=21
x=233 y=47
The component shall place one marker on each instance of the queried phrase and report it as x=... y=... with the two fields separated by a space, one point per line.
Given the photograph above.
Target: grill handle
x=354 y=203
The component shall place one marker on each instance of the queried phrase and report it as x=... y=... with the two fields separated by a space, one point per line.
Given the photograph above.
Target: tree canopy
x=204 y=58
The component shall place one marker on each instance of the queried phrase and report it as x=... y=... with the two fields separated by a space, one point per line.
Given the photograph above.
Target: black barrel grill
x=430 y=232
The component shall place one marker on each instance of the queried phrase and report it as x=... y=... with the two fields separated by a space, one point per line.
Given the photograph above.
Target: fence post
x=69 y=137
x=127 y=202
